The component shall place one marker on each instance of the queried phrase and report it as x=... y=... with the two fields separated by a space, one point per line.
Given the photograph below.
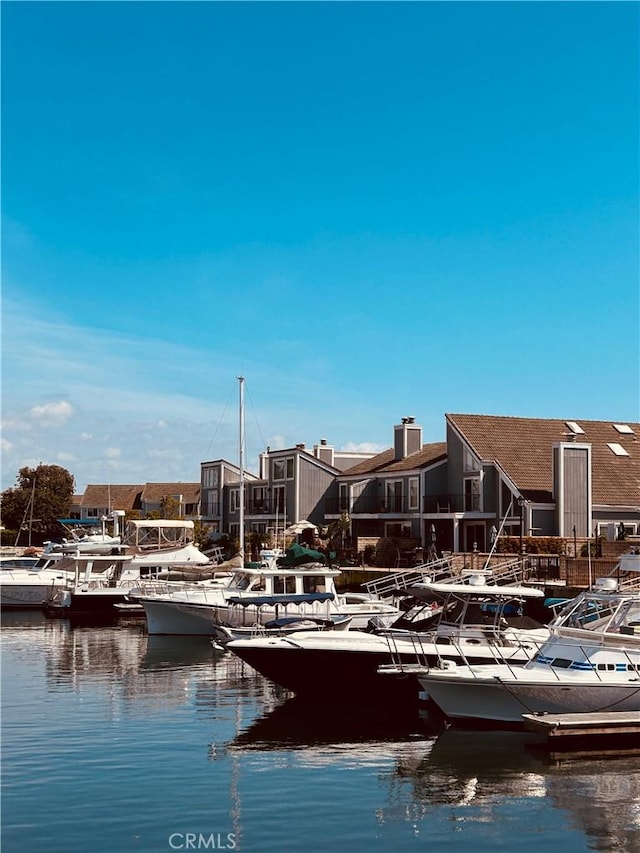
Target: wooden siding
x=490 y=489
x=572 y=488
x=455 y=461
x=314 y=484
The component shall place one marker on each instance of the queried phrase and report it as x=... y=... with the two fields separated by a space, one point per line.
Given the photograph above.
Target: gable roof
x=112 y=497
x=523 y=449
x=385 y=462
x=153 y=493
x=131 y=497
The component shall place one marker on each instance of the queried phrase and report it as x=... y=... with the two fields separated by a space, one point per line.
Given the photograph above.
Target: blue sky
x=369 y=210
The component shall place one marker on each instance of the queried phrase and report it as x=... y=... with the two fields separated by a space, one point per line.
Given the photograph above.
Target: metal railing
x=451 y=502
x=451 y=568
x=425 y=647
x=368 y=504
x=445 y=567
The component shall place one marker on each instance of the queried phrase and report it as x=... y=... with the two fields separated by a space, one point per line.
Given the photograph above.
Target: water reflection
x=420 y=771
x=300 y=724
x=135 y=669
x=481 y=770
x=472 y=775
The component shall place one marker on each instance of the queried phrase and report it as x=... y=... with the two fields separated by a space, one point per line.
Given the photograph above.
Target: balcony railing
x=369 y=505
x=451 y=503
x=263 y=507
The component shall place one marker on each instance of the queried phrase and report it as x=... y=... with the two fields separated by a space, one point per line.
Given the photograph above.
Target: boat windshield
x=593 y=613
x=242 y=580
x=627 y=619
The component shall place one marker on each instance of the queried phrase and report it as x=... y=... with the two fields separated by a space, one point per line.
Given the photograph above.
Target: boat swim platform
x=603 y=725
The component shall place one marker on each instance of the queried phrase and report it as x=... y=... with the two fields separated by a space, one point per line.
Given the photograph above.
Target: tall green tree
x=40 y=495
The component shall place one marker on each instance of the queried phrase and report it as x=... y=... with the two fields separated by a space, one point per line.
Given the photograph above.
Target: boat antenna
x=241 y=464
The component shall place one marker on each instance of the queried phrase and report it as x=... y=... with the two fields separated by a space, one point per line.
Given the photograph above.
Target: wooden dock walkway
x=600 y=725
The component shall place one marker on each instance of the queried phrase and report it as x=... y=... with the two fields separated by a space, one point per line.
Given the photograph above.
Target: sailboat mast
x=241 y=464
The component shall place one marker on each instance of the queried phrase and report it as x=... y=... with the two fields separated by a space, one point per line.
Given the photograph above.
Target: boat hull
x=27 y=597
x=308 y=672
x=168 y=620
x=506 y=699
x=189 y=618
x=99 y=602
x=23 y=590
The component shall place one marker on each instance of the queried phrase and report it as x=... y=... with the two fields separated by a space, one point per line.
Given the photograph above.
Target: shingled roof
x=112 y=497
x=131 y=497
x=385 y=463
x=523 y=449
x=153 y=493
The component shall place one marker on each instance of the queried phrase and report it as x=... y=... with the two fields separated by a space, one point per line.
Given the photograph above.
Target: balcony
x=262 y=507
x=451 y=503
x=370 y=505
x=399 y=505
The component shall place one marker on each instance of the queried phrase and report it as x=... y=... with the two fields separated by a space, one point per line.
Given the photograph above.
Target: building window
x=283 y=469
x=414 y=493
x=257 y=499
x=343 y=497
x=234 y=500
x=213 y=503
x=210 y=478
x=470 y=462
x=472 y=494
x=394 y=496
x=279 y=499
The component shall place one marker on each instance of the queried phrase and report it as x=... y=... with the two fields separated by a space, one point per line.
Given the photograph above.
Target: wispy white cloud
x=79 y=392
x=55 y=413
x=364 y=447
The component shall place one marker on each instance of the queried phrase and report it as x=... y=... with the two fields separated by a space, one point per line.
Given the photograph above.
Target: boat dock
x=607 y=725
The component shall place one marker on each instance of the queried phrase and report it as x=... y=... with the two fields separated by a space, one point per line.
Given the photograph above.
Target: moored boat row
x=590 y=663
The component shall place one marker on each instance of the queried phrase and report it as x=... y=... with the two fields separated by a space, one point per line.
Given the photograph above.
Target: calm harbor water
x=114 y=741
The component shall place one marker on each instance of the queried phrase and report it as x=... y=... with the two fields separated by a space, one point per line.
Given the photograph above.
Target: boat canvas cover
x=296 y=555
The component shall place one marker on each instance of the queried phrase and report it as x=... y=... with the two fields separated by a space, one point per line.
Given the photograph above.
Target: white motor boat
x=88 y=543
x=589 y=664
x=91 y=538
x=471 y=620
x=301 y=573
x=151 y=549
x=29 y=587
